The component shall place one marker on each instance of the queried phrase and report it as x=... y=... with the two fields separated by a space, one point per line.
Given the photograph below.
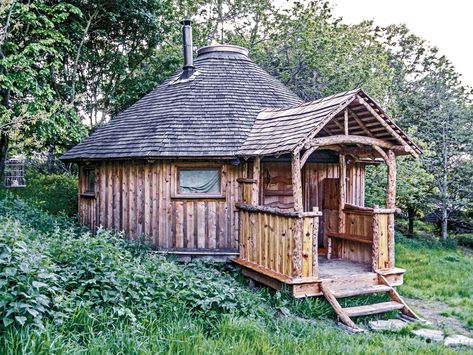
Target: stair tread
x=374 y=308
x=356 y=291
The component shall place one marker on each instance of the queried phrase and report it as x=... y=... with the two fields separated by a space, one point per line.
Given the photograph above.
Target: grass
x=185 y=335
x=437 y=273
x=160 y=307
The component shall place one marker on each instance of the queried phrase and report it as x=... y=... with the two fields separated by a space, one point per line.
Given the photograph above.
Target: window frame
x=198 y=195
x=85 y=192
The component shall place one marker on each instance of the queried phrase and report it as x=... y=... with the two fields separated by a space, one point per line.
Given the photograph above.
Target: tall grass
x=437 y=273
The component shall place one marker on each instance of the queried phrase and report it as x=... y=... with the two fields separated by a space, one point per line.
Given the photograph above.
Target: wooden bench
x=353 y=238
x=345 y=236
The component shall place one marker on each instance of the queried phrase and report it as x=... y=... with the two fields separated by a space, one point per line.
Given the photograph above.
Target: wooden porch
x=335 y=249
x=280 y=249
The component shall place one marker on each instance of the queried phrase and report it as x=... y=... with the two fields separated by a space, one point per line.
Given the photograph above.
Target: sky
x=447 y=25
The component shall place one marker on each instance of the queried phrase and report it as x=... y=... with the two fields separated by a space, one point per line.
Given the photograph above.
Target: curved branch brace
x=382 y=153
x=307 y=154
x=352 y=139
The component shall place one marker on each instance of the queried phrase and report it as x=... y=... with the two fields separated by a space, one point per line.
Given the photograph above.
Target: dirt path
x=431 y=311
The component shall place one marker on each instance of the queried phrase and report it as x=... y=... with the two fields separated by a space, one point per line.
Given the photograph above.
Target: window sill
x=88 y=194
x=198 y=197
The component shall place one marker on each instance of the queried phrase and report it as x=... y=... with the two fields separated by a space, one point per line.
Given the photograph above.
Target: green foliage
x=464 y=239
x=375 y=185
x=33 y=49
x=28 y=279
x=414 y=185
x=316 y=55
x=99 y=294
x=429 y=98
x=54 y=193
x=103 y=273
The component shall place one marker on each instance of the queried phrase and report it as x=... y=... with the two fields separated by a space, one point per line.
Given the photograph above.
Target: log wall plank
x=137 y=197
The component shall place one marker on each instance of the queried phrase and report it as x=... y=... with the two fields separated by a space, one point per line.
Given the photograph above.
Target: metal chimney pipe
x=187 y=44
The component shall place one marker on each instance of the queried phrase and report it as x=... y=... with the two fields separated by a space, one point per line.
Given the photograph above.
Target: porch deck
x=337 y=273
x=336 y=268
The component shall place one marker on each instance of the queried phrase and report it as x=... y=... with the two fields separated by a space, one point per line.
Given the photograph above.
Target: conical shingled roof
x=209 y=115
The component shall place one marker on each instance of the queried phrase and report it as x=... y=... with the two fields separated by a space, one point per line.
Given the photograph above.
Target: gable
x=279 y=131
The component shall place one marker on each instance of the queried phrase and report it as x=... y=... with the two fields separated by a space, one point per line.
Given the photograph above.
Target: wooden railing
x=367 y=237
x=279 y=242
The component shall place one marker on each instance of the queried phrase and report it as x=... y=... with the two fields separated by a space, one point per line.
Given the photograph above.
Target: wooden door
x=330 y=199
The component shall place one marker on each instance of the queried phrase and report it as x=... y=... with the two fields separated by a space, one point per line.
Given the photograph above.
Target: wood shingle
x=209 y=115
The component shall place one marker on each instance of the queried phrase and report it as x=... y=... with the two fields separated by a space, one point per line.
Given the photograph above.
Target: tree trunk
x=444 y=187
x=4 y=140
x=444 y=219
x=50 y=161
x=411 y=213
x=4 y=136
x=77 y=57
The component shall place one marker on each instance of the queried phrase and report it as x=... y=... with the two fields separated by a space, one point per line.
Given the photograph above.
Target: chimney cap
x=187 y=22
x=222 y=48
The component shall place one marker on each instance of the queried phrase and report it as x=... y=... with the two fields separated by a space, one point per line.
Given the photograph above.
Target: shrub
x=28 y=282
x=55 y=194
x=104 y=274
x=464 y=239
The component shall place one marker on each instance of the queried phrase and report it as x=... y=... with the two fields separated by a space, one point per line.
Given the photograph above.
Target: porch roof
x=284 y=130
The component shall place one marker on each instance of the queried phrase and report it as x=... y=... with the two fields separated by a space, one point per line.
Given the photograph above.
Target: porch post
x=297 y=181
x=391 y=203
x=256 y=177
x=343 y=191
x=298 y=227
x=391 y=185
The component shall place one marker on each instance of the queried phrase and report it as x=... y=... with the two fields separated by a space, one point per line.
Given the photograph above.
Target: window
x=89 y=180
x=203 y=181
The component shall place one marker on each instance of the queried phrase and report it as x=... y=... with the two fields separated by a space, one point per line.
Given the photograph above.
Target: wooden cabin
x=223 y=160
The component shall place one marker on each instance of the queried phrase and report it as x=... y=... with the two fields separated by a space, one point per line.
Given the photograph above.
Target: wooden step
x=375 y=308
x=356 y=291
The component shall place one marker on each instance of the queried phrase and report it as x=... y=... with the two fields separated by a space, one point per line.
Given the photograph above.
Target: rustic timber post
x=297 y=181
x=256 y=177
x=391 y=203
x=343 y=191
x=375 y=245
x=246 y=189
x=341 y=201
x=345 y=121
x=249 y=187
x=315 y=244
x=297 y=194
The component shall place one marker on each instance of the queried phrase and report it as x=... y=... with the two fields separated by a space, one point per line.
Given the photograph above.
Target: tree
x=316 y=55
x=428 y=96
x=32 y=51
x=414 y=190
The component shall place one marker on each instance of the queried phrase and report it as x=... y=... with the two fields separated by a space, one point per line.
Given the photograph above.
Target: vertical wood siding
x=137 y=197
x=87 y=212
x=316 y=173
x=319 y=192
